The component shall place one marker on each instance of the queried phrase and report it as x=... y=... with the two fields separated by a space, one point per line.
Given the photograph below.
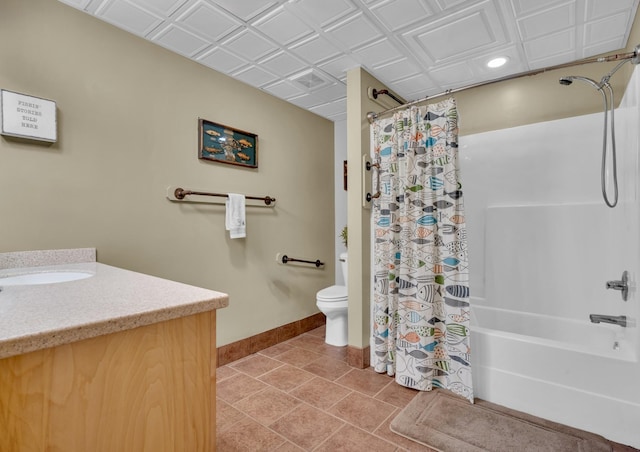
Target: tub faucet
x=616 y=320
x=622 y=285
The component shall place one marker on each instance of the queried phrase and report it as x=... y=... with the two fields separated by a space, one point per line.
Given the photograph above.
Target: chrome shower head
x=568 y=80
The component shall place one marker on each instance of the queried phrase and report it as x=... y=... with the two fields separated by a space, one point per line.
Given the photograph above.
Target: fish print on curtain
x=421 y=291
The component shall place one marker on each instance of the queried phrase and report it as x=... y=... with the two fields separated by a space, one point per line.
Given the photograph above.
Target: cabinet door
x=145 y=389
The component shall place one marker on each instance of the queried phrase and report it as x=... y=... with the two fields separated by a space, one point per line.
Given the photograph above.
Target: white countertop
x=113 y=299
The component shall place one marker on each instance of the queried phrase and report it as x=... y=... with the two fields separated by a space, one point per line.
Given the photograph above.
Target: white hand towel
x=235 y=216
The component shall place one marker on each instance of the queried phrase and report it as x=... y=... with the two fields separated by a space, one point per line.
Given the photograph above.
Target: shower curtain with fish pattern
x=421 y=291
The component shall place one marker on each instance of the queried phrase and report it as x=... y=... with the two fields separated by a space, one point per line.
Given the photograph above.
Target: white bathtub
x=534 y=348
x=584 y=385
x=605 y=340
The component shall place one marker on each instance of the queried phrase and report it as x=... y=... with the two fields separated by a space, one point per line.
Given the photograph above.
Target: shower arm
x=605 y=80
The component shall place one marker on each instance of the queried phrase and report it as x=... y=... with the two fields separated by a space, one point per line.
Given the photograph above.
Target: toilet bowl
x=332 y=301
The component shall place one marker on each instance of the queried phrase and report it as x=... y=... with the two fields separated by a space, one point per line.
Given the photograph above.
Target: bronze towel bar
x=181 y=193
x=286 y=259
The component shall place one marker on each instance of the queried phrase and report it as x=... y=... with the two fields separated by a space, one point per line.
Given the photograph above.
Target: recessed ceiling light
x=497 y=62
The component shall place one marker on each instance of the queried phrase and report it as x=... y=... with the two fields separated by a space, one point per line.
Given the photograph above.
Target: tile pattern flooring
x=301 y=395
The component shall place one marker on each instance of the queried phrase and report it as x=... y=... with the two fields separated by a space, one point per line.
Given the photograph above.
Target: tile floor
x=301 y=395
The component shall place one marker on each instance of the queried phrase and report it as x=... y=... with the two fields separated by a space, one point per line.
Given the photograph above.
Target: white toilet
x=332 y=302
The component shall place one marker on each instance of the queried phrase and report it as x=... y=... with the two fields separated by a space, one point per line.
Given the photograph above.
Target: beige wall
x=127 y=113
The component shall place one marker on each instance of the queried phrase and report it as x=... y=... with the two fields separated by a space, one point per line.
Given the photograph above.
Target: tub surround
x=116 y=361
x=113 y=299
x=542 y=244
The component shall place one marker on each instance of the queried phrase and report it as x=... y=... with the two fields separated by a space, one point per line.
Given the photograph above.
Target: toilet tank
x=343 y=265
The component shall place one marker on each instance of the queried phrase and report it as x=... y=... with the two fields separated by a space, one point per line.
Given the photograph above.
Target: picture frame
x=224 y=144
x=27 y=117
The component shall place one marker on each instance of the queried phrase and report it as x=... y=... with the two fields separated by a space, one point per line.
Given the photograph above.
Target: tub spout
x=616 y=320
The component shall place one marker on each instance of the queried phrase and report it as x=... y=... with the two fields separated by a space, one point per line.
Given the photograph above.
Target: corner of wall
x=359 y=218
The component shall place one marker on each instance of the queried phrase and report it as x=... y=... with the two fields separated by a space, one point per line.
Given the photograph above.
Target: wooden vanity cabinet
x=150 y=388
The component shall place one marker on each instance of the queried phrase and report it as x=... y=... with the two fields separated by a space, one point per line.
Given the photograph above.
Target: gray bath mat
x=443 y=421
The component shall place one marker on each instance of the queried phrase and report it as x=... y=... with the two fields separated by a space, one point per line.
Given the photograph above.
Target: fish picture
x=411 y=337
x=442 y=204
x=435 y=183
x=458 y=291
x=454 y=303
x=428 y=292
x=452 y=261
x=427 y=220
x=430 y=116
x=224 y=144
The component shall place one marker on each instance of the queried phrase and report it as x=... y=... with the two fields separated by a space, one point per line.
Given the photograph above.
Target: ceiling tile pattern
x=301 y=50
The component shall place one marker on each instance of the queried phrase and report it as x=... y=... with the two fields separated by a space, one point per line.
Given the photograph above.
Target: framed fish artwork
x=224 y=144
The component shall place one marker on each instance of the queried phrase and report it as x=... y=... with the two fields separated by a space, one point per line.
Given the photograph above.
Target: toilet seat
x=332 y=294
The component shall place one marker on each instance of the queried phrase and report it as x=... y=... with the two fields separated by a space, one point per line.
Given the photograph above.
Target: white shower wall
x=551 y=164
x=542 y=243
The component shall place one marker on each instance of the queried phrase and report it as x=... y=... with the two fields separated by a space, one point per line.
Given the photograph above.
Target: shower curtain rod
x=634 y=56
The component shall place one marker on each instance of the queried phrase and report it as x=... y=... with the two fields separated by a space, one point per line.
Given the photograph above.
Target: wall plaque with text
x=28 y=117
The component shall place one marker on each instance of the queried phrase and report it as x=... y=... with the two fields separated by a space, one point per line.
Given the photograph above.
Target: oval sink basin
x=43 y=278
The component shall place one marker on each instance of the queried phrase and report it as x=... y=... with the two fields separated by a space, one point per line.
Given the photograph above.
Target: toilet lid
x=333 y=293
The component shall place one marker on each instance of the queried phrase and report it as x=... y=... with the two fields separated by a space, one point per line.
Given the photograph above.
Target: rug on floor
x=446 y=422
